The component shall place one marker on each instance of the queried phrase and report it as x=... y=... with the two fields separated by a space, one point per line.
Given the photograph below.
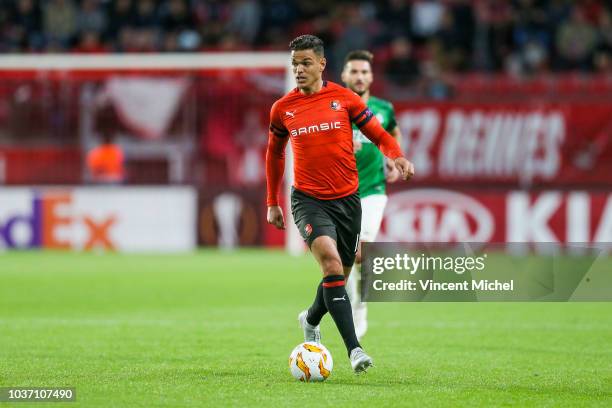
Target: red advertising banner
x=524 y=144
x=439 y=215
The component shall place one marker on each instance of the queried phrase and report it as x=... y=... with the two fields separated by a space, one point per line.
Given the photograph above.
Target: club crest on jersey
x=335 y=105
x=308 y=229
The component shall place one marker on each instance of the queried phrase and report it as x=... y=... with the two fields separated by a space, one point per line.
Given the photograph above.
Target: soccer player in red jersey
x=317 y=117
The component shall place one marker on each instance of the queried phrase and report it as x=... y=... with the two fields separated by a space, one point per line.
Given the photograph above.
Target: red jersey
x=319 y=126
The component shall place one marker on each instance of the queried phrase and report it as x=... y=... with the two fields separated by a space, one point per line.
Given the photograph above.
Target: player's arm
x=278 y=136
x=372 y=129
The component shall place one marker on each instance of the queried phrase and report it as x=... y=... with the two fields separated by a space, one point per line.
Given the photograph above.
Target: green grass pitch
x=216 y=328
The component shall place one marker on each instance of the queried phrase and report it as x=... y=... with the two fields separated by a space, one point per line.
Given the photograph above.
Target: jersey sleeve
x=278 y=136
x=365 y=120
x=358 y=111
x=277 y=127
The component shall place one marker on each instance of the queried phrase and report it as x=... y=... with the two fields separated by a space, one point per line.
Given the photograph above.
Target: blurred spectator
x=145 y=40
x=309 y=9
x=105 y=163
x=326 y=26
x=145 y=15
x=455 y=47
x=603 y=63
x=352 y=35
x=433 y=83
x=230 y=42
x=463 y=23
x=125 y=40
x=276 y=16
x=591 y=9
x=530 y=27
x=90 y=42
x=426 y=18
x=605 y=32
x=26 y=26
x=244 y=20
x=60 y=22
x=531 y=39
x=5 y=28
x=323 y=27
x=576 y=41
x=495 y=22
x=120 y=15
x=91 y=17
x=170 y=43
x=603 y=54
x=176 y=17
x=136 y=40
x=402 y=68
x=396 y=16
x=178 y=22
x=213 y=16
x=557 y=11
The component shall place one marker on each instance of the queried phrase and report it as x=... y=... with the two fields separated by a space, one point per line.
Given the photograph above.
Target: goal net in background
x=181 y=119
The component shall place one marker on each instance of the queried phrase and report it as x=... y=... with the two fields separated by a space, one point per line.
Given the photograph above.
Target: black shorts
x=339 y=219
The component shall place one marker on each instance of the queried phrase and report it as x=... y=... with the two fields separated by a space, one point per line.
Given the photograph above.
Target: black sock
x=339 y=308
x=318 y=308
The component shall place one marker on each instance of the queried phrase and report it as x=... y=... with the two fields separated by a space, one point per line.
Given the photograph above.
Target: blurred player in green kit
x=374 y=170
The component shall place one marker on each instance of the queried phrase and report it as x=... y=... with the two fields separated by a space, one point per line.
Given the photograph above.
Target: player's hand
x=356 y=145
x=405 y=168
x=391 y=173
x=275 y=217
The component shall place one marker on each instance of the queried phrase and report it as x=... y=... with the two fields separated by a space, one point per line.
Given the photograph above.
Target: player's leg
x=325 y=251
x=346 y=213
x=311 y=221
x=372 y=207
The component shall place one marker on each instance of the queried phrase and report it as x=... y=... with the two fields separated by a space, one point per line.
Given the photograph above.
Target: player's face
x=307 y=68
x=357 y=75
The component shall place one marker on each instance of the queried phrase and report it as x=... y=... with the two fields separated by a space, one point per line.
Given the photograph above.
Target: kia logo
x=433 y=215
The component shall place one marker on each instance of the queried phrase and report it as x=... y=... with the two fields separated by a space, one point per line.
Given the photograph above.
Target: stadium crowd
x=409 y=37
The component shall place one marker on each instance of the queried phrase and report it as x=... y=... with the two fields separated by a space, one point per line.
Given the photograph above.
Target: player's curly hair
x=359 y=55
x=307 y=42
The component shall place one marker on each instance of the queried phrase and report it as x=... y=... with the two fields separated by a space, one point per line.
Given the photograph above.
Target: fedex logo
x=51 y=221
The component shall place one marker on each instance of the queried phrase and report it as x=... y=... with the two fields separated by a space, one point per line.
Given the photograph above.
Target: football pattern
x=310 y=362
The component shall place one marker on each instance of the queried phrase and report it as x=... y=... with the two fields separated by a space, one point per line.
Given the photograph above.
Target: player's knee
x=324 y=249
x=331 y=265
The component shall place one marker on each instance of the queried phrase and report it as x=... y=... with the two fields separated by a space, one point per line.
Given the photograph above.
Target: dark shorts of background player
x=339 y=219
